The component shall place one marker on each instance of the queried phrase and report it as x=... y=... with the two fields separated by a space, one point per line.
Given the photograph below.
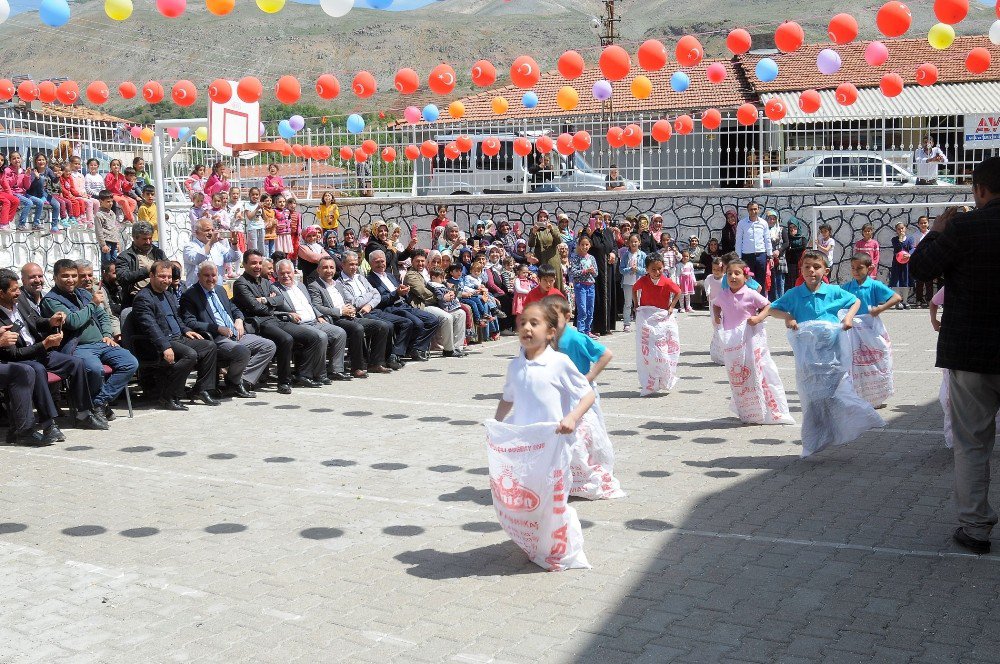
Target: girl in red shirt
x=119 y=187
x=654 y=289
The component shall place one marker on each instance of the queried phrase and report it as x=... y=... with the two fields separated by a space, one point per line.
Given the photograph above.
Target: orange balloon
x=249 y=89
x=775 y=110
x=809 y=101
x=220 y=91
x=360 y=155
x=429 y=149
x=571 y=65
x=891 y=84
x=951 y=11
x=652 y=55
x=7 y=89
x=927 y=74
x=463 y=143
x=564 y=144
x=524 y=72
x=27 y=91
x=499 y=105
x=633 y=136
x=491 y=146
x=369 y=146
x=47 y=92
x=153 y=92
x=616 y=137
x=146 y=135
x=641 y=87
x=738 y=41
x=614 y=62
x=68 y=92
x=286 y=150
x=287 y=90
x=220 y=7
x=456 y=109
x=324 y=151
x=746 y=114
x=98 y=93
x=298 y=148
x=544 y=144
x=978 y=60
x=689 y=51
x=789 y=36
x=683 y=124
x=412 y=152
x=327 y=86
x=581 y=140
x=661 y=131
x=184 y=93
x=711 y=119
x=346 y=152
x=484 y=74
x=388 y=154
x=846 y=94
x=567 y=98
x=407 y=82
x=442 y=80
x=893 y=19
x=363 y=84
x=451 y=151
x=843 y=29
x=522 y=146
x=127 y=90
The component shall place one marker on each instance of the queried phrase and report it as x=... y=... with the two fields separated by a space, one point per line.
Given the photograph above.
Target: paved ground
x=355 y=524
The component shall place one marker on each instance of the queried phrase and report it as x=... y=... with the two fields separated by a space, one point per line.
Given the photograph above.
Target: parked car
x=841 y=169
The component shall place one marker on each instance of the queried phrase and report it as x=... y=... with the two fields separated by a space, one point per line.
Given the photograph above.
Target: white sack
x=871 y=365
x=658 y=349
x=592 y=459
x=758 y=395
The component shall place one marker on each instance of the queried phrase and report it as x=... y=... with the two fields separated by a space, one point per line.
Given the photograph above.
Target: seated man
x=452 y=328
x=24 y=391
x=297 y=304
x=206 y=309
x=330 y=303
x=86 y=281
x=29 y=304
x=132 y=265
x=393 y=300
x=206 y=245
x=88 y=332
x=175 y=348
x=42 y=354
x=360 y=294
x=258 y=299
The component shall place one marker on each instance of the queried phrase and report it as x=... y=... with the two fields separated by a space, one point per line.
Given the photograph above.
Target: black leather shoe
x=418 y=356
x=51 y=434
x=971 y=543
x=325 y=380
x=93 y=421
x=453 y=353
x=284 y=388
x=241 y=392
x=205 y=398
x=109 y=415
x=26 y=438
x=302 y=381
x=170 y=404
x=394 y=363
x=337 y=376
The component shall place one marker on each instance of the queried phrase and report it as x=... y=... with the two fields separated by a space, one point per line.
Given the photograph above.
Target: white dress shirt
x=194 y=255
x=335 y=297
x=928 y=170
x=753 y=237
x=303 y=307
x=384 y=278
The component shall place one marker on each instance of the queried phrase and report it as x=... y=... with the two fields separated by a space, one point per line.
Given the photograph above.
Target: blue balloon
x=183 y=133
x=529 y=100
x=54 y=13
x=285 y=130
x=766 y=70
x=680 y=81
x=430 y=113
x=355 y=124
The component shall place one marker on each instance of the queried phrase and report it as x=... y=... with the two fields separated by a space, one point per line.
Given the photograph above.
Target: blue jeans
x=269 y=247
x=584 y=306
x=111 y=256
x=479 y=308
x=54 y=204
x=122 y=364
x=777 y=285
x=27 y=202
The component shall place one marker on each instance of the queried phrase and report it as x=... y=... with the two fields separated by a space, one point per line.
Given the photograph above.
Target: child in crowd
x=827 y=244
x=468 y=295
x=134 y=192
x=713 y=286
x=236 y=207
x=546 y=285
x=253 y=218
x=198 y=209
x=875 y=297
x=54 y=189
x=147 y=210
x=78 y=188
x=441 y=288
x=899 y=272
x=523 y=285
x=686 y=272
x=219 y=214
x=868 y=245
x=195 y=182
x=329 y=213
x=294 y=225
x=441 y=219
x=74 y=191
x=632 y=264
x=93 y=182
x=655 y=288
x=657 y=340
x=283 y=242
x=587 y=355
x=270 y=217
x=583 y=274
x=738 y=304
x=751 y=282
x=106 y=228
x=274 y=184
x=668 y=251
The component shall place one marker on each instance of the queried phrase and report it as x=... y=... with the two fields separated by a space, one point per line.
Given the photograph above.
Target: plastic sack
x=715 y=348
x=529 y=480
x=832 y=412
x=758 y=395
x=592 y=459
x=658 y=349
x=944 y=396
x=871 y=364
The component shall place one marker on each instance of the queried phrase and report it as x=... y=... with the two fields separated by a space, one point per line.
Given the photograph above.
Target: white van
x=506 y=173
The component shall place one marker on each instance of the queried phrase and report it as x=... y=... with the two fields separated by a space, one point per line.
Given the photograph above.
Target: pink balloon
x=135 y=131
x=174 y=132
x=411 y=114
x=876 y=54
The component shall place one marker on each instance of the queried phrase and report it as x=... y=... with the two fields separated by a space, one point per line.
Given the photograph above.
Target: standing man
x=963 y=248
x=452 y=325
x=753 y=241
x=543 y=244
x=927 y=158
x=132 y=265
x=205 y=245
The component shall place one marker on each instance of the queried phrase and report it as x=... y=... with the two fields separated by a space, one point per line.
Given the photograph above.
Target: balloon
x=775 y=110
x=127 y=90
x=843 y=29
x=893 y=19
x=809 y=101
x=54 y=13
x=270 y=6
x=456 y=109
x=346 y=152
x=766 y=70
x=876 y=54
x=118 y=10
x=652 y=55
x=153 y=92
x=632 y=135
x=951 y=11
x=183 y=133
x=977 y=62
x=388 y=155
x=689 y=51
x=327 y=86
x=564 y=144
x=903 y=257
x=336 y=8
x=7 y=89
x=941 y=36
x=614 y=62
x=716 y=72
x=927 y=74
x=522 y=146
x=746 y=114
x=47 y=92
x=411 y=114
x=369 y=147
x=355 y=124
x=567 y=98
x=27 y=91
x=135 y=130
x=828 y=61
x=430 y=113
x=297 y=122
x=184 y=93
x=530 y=99
x=442 y=80
x=641 y=87
x=738 y=41
x=524 y=72
x=484 y=74
x=499 y=105
x=846 y=94
x=379 y=4
x=429 y=149
x=146 y=135
x=544 y=144
x=711 y=119
x=581 y=140
x=570 y=65
x=412 y=152
x=684 y=124
x=4 y=10
x=174 y=132
x=171 y=8
x=463 y=143
x=602 y=90
x=249 y=89
x=220 y=7
x=325 y=151
x=285 y=130
x=201 y=133
x=995 y=32
x=363 y=84
x=68 y=92
x=660 y=131
x=287 y=90
x=616 y=136
x=679 y=81
x=220 y=91
x=789 y=36
x=491 y=146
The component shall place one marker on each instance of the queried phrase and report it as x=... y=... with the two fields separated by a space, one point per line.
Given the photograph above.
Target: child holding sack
x=658 y=340
x=713 y=286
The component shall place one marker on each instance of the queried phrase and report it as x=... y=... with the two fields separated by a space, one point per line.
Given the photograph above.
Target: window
x=504 y=161
x=870 y=169
x=442 y=163
x=833 y=167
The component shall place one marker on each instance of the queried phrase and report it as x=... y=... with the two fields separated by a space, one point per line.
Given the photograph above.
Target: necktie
x=213 y=299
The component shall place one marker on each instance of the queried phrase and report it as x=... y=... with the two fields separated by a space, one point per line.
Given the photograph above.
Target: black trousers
x=27 y=386
x=73 y=370
x=289 y=338
x=189 y=355
x=378 y=334
x=757 y=264
x=424 y=326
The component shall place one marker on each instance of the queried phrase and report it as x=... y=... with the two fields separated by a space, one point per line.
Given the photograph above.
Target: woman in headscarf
x=728 y=243
x=310 y=252
x=543 y=242
x=506 y=236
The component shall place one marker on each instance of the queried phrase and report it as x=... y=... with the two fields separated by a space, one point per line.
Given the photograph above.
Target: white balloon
x=334 y=8
x=994 y=31
x=4 y=10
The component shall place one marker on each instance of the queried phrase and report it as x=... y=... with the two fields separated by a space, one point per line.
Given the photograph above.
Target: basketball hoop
x=232 y=123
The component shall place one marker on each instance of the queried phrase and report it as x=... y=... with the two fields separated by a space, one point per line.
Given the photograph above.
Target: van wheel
x=460 y=193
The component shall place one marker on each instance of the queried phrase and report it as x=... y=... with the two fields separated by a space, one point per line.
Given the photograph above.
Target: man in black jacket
x=132 y=265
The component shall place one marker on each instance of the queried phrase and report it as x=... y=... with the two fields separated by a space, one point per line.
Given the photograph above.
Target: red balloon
x=429 y=149
x=491 y=146
x=464 y=143
x=442 y=80
x=739 y=41
x=564 y=144
x=47 y=92
x=689 y=51
x=451 y=151
x=661 y=131
x=98 y=93
x=363 y=84
x=893 y=19
x=153 y=92
x=484 y=74
x=324 y=151
x=407 y=82
x=27 y=91
x=711 y=119
x=249 y=89
x=581 y=140
x=684 y=124
x=843 y=29
x=809 y=101
x=7 y=89
x=369 y=146
x=633 y=136
x=978 y=60
x=184 y=93
x=286 y=150
x=652 y=55
x=127 y=90
x=544 y=144
x=616 y=137
x=327 y=86
x=927 y=74
x=287 y=90
x=68 y=92
x=571 y=65
x=388 y=154
x=522 y=146
x=891 y=84
x=360 y=155
x=789 y=36
x=346 y=152
x=775 y=110
x=746 y=114
x=615 y=62
x=524 y=72
x=298 y=148
x=220 y=91
x=847 y=94
x=951 y=11
x=412 y=152
x=716 y=72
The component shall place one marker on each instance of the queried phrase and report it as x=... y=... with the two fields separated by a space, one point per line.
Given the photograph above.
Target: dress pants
x=757 y=264
x=379 y=335
x=975 y=399
x=27 y=385
x=73 y=370
x=336 y=343
x=189 y=354
x=402 y=327
x=424 y=326
x=288 y=336
x=248 y=357
x=451 y=326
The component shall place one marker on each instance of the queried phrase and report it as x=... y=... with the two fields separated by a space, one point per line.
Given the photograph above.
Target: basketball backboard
x=234 y=122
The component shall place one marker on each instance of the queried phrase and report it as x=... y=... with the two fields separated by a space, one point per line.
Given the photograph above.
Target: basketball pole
x=159 y=160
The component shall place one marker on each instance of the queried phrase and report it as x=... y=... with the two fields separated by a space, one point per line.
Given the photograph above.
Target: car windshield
x=788 y=168
x=581 y=164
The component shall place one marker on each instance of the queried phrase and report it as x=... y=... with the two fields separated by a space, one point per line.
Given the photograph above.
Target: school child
x=93 y=182
x=253 y=216
x=329 y=212
x=441 y=288
x=899 y=272
x=655 y=289
x=657 y=340
x=106 y=228
x=826 y=244
x=737 y=303
x=147 y=210
x=283 y=239
x=236 y=207
x=198 y=209
x=78 y=188
x=522 y=286
x=196 y=181
x=274 y=184
x=632 y=266
x=77 y=201
x=868 y=245
x=713 y=286
x=686 y=272
x=583 y=274
x=53 y=188
x=294 y=225
x=751 y=282
x=270 y=224
x=875 y=296
x=670 y=255
x=546 y=285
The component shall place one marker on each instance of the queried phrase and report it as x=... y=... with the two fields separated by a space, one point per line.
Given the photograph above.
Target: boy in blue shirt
x=875 y=296
x=814 y=299
x=589 y=356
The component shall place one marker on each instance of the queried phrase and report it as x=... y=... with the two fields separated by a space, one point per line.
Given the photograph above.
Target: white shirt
x=303 y=307
x=753 y=237
x=917 y=237
x=194 y=255
x=545 y=389
x=384 y=278
x=928 y=170
x=15 y=317
x=335 y=297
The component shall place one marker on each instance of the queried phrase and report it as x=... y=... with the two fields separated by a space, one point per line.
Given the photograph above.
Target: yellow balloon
x=567 y=98
x=201 y=133
x=941 y=36
x=456 y=109
x=499 y=105
x=119 y=10
x=270 y=6
x=146 y=135
x=642 y=87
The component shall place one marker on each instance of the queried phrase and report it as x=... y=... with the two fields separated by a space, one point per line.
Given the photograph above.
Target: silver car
x=848 y=169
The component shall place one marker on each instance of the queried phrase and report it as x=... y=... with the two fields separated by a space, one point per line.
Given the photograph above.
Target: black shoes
x=52 y=434
x=240 y=391
x=170 y=404
x=971 y=543
x=393 y=363
x=420 y=356
x=284 y=388
x=302 y=381
x=108 y=414
x=453 y=353
x=92 y=421
x=204 y=397
x=27 y=438
x=339 y=376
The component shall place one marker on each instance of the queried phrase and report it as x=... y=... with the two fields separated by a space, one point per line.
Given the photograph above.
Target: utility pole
x=609 y=24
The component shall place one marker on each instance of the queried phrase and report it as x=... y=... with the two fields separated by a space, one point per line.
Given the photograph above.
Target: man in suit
x=173 y=346
x=206 y=309
x=360 y=294
x=330 y=303
x=132 y=265
x=45 y=354
x=29 y=304
x=297 y=304
x=258 y=299
x=393 y=300
x=452 y=324
x=24 y=393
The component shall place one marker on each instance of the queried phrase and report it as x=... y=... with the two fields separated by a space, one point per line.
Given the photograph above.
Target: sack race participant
x=657 y=338
x=530 y=454
x=832 y=412
x=713 y=286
